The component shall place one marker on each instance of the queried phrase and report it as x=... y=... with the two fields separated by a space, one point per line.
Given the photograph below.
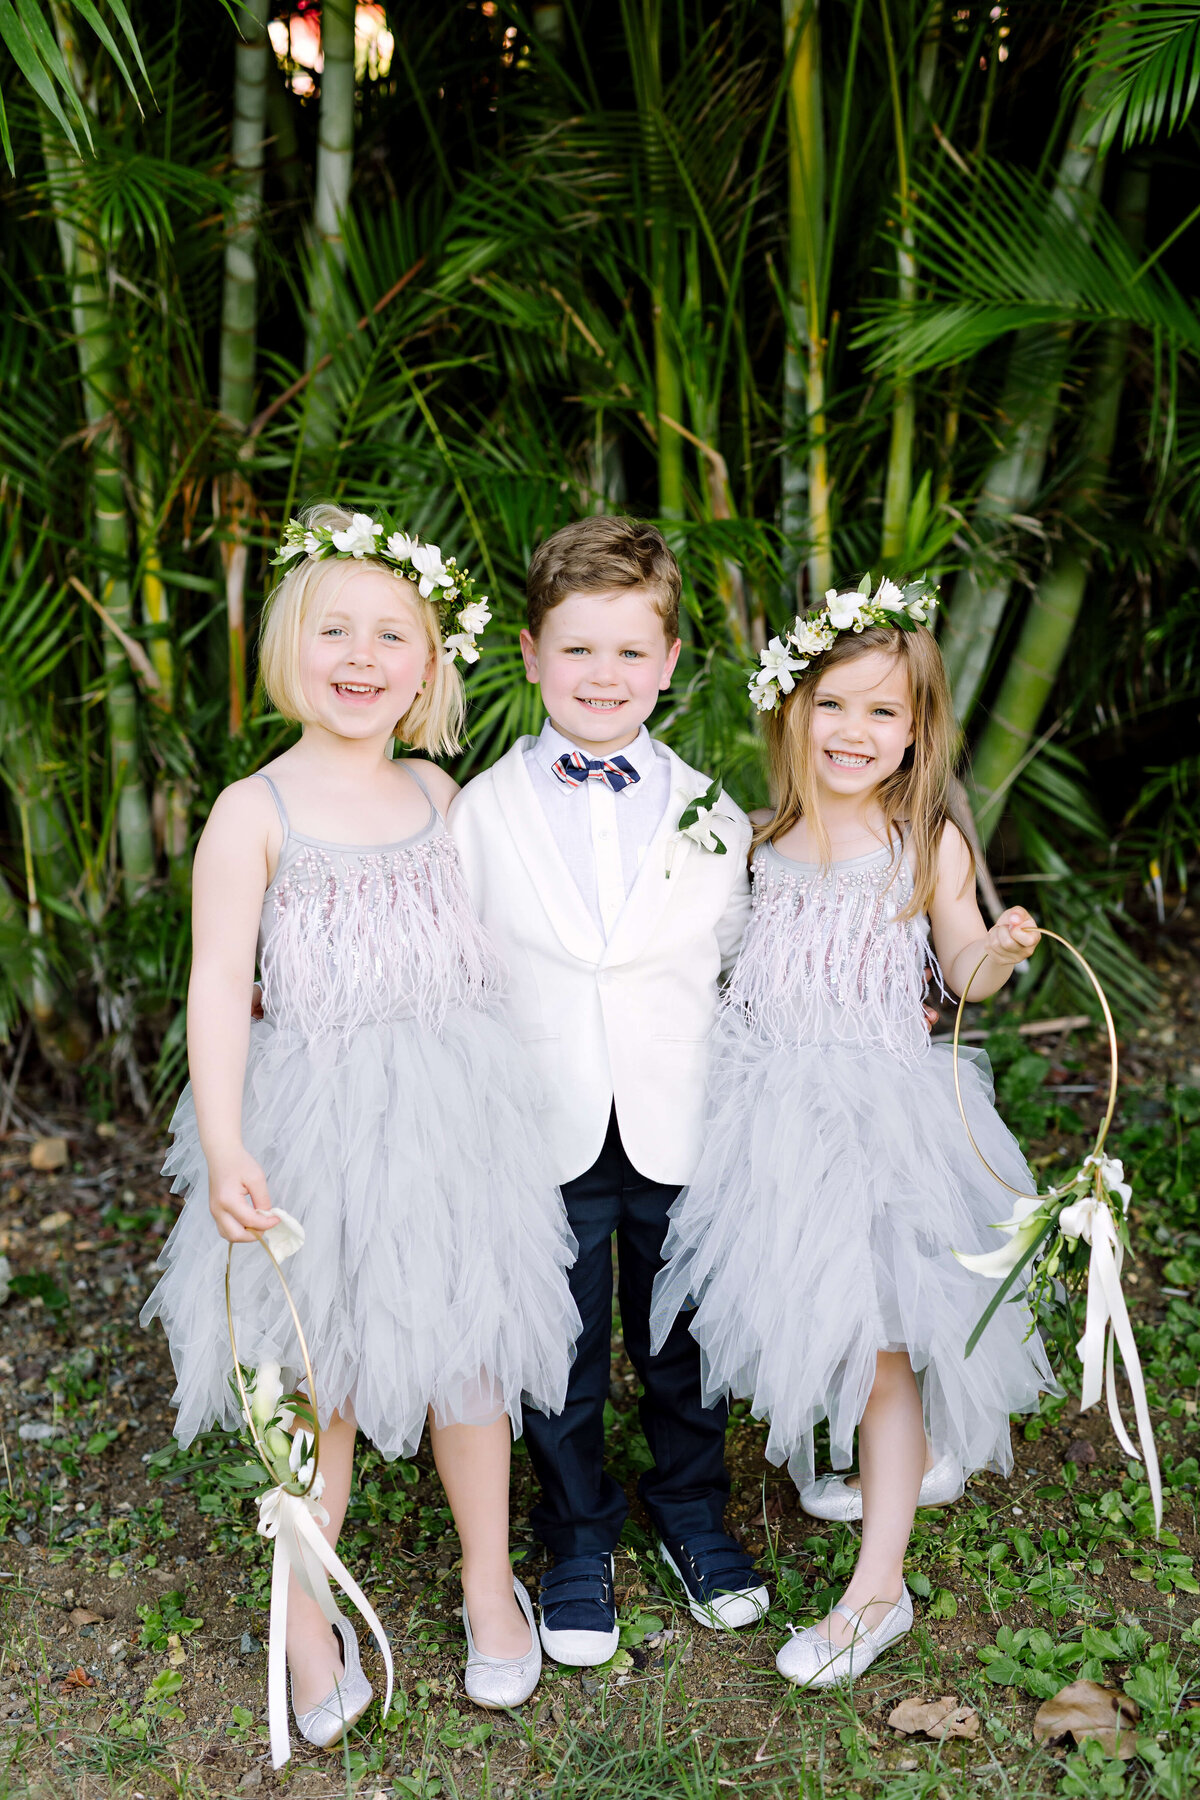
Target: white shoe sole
x=580 y=1649
x=730 y=1612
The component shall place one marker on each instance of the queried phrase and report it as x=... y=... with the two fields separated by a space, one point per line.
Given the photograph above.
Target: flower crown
x=813 y=633
x=452 y=588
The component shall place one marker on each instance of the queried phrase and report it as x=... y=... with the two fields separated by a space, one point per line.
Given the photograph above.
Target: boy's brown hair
x=594 y=555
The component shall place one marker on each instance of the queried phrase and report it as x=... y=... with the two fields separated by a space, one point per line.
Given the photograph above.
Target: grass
x=133 y=1585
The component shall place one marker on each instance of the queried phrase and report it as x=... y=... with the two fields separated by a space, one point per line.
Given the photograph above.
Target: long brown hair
x=916 y=795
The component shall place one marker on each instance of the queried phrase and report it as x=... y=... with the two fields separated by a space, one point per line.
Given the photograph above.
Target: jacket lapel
x=653 y=886
x=556 y=887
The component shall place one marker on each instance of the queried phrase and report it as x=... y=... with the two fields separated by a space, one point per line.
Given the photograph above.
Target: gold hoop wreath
x=1088 y=970
x=291 y=1518
x=260 y=1449
x=1107 y=1322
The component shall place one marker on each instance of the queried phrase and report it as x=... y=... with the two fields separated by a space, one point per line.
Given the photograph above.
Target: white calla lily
x=358 y=539
x=995 y=1264
x=285 y=1238
x=265 y=1394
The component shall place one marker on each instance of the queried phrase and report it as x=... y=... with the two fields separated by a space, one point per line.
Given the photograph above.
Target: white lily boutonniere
x=696 y=822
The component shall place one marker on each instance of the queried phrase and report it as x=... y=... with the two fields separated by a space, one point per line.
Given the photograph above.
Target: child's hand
x=1014 y=936
x=238 y=1199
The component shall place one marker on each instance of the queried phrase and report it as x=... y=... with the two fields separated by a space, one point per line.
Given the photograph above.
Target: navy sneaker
x=721 y=1583
x=579 y=1611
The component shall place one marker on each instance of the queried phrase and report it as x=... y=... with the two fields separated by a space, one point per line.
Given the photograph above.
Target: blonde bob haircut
x=433 y=722
x=916 y=798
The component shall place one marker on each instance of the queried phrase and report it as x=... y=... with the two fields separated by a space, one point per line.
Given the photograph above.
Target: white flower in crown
x=810 y=638
x=460 y=643
x=845 y=610
x=427 y=560
x=778 y=664
x=400 y=546
x=358 y=539
x=474 y=618
x=890 y=596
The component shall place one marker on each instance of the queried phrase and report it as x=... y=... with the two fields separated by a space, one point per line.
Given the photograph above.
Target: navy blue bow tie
x=573 y=769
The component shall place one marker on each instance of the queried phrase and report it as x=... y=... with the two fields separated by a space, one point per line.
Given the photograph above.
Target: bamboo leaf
x=24 y=54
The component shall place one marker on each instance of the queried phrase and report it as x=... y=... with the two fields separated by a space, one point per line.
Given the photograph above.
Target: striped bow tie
x=573 y=769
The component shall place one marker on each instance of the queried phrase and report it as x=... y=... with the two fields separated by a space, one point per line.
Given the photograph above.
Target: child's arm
x=229 y=879
x=959 y=935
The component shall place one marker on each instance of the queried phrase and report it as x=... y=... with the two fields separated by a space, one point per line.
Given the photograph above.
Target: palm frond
x=1151 y=55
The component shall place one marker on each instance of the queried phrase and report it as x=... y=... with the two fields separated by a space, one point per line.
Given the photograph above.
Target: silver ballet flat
x=830 y=1498
x=811 y=1661
x=327 y=1723
x=502 y=1681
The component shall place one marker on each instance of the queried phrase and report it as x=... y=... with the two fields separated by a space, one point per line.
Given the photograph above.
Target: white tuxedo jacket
x=627 y=1020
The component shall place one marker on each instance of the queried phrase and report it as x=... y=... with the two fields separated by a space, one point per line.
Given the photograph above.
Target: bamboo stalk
x=100 y=380
x=1037 y=365
x=805 y=490
x=331 y=197
x=898 y=485
x=1054 y=610
x=239 y=307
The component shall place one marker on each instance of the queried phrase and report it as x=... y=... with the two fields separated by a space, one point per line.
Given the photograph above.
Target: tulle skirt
x=433 y=1271
x=834 y=1185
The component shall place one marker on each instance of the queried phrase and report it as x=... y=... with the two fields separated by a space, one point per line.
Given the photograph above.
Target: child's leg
x=891 y=1456
x=313 y=1655
x=472 y=1461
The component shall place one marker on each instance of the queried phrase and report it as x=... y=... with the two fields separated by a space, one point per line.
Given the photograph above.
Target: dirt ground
x=132 y=1589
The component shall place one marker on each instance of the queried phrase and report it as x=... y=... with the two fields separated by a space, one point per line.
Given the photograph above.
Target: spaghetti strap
x=435 y=810
x=280 y=808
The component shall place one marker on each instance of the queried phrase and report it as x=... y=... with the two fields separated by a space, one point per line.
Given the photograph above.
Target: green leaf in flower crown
x=864 y=586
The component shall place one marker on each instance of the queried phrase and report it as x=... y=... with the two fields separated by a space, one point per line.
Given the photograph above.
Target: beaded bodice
x=354 y=936
x=826 y=960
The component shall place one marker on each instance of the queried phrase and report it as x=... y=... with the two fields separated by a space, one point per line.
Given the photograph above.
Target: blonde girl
x=818 y=1234
x=379 y=1099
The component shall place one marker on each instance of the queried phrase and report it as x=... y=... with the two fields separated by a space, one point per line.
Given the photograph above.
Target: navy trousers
x=582 y=1507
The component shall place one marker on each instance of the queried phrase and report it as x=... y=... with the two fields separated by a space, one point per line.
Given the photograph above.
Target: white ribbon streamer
x=294 y=1522
x=1106 y=1326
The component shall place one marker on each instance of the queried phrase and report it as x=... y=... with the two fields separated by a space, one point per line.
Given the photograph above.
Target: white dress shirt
x=602 y=835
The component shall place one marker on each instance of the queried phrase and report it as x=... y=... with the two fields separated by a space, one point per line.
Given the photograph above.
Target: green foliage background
x=822 y=288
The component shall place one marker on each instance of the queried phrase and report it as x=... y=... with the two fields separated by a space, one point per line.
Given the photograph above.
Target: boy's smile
x=601 y=661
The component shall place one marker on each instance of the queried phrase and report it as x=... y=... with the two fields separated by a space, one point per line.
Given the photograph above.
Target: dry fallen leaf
x=1086 y=1710
x=55 y=1221
x=83 y=1615
x=76 y=1678
x=48 y=1153
x=944 y=1718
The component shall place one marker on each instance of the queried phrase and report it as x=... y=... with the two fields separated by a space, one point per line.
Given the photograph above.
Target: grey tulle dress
x=836 y=1180
x=392 y=1113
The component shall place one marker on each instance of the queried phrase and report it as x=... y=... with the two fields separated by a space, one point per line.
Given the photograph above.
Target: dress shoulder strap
x=435 y=810
x=280 y=808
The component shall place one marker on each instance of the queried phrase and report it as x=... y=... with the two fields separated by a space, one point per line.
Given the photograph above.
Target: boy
x=614 y=928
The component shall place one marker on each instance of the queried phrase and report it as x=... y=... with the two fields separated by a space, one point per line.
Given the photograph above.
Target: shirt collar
x=641 y=754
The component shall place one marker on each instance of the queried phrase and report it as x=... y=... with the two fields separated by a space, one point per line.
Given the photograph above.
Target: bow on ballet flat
x=1092 y=1207
x=290 y=1512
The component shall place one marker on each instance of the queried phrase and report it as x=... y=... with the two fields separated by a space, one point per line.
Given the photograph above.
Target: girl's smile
x=862 y=723
x=364 y=656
